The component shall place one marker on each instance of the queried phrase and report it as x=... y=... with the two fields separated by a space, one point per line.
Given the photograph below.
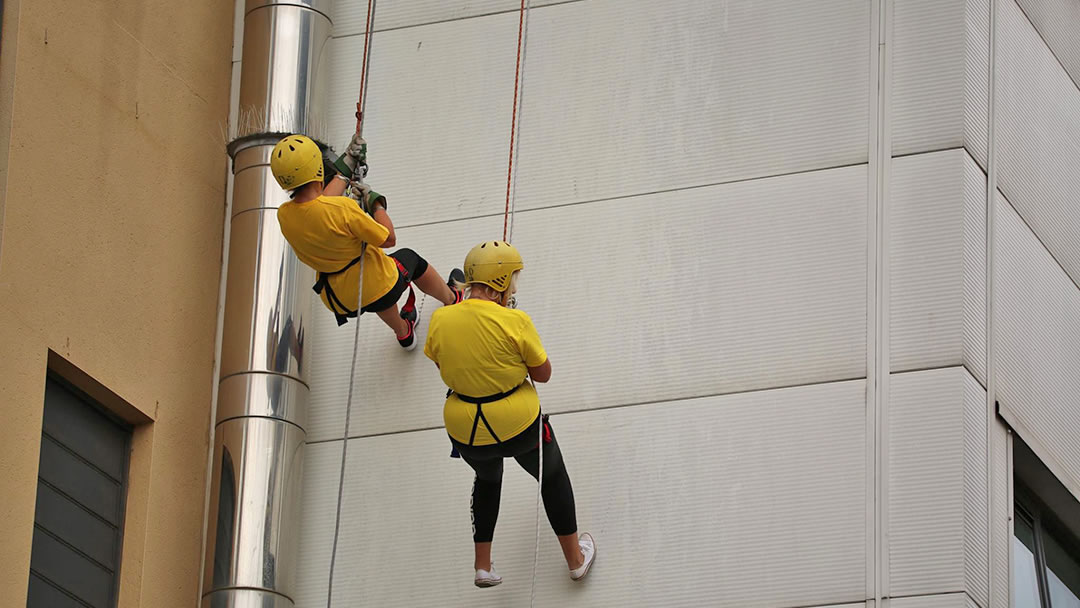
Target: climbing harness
x=341 y=312
x=360 y=105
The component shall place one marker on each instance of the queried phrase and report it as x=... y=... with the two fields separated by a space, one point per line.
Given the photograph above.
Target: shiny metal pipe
x=265 y=310
x=283 y=62
x=257 y=459
x=257 y=469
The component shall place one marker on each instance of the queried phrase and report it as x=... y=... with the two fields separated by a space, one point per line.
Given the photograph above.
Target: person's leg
x=432 y=284
x=571 y=551
x=556 y=490
x=486 y=495
x=482 y=556
x=386 y=308
x=393 y=320
x=426 y=278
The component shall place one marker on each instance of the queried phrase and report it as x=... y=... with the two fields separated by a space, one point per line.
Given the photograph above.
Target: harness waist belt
x=487 y=399
x=479 y=417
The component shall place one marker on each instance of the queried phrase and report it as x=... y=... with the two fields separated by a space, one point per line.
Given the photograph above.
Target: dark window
x=1025 y=573
x=1046 y=546
x=78 y=520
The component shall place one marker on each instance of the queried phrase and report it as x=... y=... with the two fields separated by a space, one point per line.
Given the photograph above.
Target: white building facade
x=799 y=344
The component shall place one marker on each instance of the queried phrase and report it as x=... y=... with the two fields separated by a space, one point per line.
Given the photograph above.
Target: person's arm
x=429 y=347
x=542 y=372
x=365 y=228
x=532 y=351
x=337 y=186
x=383 y=218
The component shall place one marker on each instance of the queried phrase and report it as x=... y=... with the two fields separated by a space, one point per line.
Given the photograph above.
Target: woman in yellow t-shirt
x=328 y=231
x=484 y=351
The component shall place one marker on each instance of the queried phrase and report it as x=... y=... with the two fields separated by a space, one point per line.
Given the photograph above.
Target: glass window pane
x=1063 y=574
x=1025 y=583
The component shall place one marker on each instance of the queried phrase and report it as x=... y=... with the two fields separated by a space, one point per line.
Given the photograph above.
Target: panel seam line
x=620 y=406
x=1050 y=48
x=450 y=20
x=606 y=199
x=1042 y=243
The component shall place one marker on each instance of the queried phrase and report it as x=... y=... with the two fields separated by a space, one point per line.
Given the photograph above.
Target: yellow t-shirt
x=484 y=349
x=326 y=233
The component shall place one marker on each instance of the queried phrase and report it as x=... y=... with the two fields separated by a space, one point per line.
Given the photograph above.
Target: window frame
x=1028 y=506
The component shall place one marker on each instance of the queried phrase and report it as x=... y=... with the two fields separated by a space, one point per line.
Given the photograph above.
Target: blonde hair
x=490 y=291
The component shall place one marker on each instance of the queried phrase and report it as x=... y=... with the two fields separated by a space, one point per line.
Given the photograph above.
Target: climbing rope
x=345 y=439
x=508 y=235
x=508 y=228
x=369 y=26
x=360 y=106
x=515 y=120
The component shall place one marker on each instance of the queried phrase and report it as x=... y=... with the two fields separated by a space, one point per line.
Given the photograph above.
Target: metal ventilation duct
x=252 y=537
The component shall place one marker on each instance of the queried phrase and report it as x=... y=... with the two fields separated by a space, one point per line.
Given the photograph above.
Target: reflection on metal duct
x=252 y=539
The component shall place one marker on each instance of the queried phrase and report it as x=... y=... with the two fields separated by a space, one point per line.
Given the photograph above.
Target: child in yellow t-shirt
x=328 y=232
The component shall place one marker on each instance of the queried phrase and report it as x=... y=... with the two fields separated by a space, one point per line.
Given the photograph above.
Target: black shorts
x=410 y=266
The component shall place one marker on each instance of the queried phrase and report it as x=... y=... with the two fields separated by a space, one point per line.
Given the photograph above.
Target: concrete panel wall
x=714 y=465
x=1056 y=21
x=671 y=95
x=349 y=17
x=937 y=484
x=1038 y=345
x=438 y=112
x=709 y=161
x=777 y=300
x=322 y=469
x=943 y=600
x=757 y=89
x=937 y=256
x=1038 y=138
x=940 y=55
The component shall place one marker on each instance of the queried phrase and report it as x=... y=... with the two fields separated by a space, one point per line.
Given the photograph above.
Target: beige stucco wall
x=110 y=255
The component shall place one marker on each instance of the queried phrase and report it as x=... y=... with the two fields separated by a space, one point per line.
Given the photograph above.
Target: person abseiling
x=328 y=232
x=484 y=351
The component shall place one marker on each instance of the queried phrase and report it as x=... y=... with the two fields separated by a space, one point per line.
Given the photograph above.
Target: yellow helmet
x=295 y=161
x=492 y=263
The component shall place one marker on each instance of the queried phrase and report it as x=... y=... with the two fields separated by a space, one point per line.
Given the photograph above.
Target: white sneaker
x=588 y=549
x=487 y=578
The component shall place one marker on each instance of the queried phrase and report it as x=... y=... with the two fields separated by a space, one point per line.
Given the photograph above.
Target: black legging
x=487 y=461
